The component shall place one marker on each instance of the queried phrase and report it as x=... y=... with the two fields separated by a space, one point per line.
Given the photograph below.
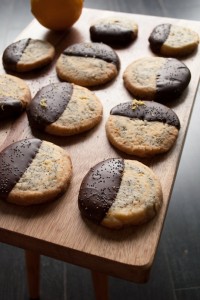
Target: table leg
x=33 y=273
x=100 y=284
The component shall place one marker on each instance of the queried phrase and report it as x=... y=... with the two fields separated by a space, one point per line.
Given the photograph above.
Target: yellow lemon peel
x=136 y=103
x=57 y=14
x=43 y=102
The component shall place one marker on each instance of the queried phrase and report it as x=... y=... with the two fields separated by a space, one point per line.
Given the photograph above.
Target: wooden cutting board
x=57 y=229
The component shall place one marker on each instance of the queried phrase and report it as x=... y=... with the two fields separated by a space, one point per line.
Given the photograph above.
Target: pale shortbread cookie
x=140 y=76
x=173 y=40
x=41 y=172
x=139 y=198
x=65 y=109
x=83 y=112
x=14 y=95
x=28 y=54
x=156 y=78
x=143 y=129
x=117 y=193
x=114 y=30
x=140 y=138
x=88 y=64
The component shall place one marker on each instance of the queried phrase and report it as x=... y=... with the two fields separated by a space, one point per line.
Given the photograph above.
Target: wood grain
x=57 y=229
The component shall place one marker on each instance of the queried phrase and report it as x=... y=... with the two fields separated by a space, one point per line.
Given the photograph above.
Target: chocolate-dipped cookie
x=33 y=171
x=27 y=54
x=88 y=64
x=142 y=128
x=64 y=109
x=116 y=193
x=157 y=78
x=115 y=31
x=173 y=40
x=14 y=96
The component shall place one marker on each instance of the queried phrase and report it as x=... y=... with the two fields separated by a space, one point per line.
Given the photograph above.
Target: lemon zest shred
x=136 y=103
x=43 y=102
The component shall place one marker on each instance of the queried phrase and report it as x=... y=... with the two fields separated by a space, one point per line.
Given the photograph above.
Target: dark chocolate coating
x=111 y=34
x=99 y=188
x=10 y=107
x=149 y=111
x=13 y=53
x=95 y=50
x=159 y=36
x=14 y=161
x=171 y=80
x=48 y=104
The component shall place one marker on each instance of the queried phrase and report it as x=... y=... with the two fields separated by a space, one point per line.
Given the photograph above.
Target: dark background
x=176 y=270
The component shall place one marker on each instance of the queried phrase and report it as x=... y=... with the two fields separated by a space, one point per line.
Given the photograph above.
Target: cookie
x=116 y=193
x=14 y=96
x=173 y=40
x=114 y=31
x=88 y=64
x=156 y=78
x=27 y=54
x=33 y=171
x=64 y=109
x=142 y=128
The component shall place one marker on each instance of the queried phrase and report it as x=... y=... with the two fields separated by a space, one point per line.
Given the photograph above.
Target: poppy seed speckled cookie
x=88 y=64
x=156 y=78
x=173 y=40
x=142 y=128
x=33 y=171
x=14 y=96
x=64 y=109
x=114 y=30
x=28 y=54
x=116 y=193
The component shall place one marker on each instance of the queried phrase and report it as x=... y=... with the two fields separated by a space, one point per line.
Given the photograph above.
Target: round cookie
x=173 y=40
x=14 y=96
x=33 y=171
x=142 y=128
x=117 y=193
x=64 y=109
x=114 y=31
x=156 y=78
x=27 y=54
x=88 y=64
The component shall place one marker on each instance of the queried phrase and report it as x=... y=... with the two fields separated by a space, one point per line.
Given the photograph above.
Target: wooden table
x=57 y=229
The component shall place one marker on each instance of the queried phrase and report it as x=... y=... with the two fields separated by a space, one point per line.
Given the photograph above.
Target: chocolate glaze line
x=10 y=107
x=49 y=103
x=111 y=34
x=14 y=161
x=149 y=111
x=99 y=188
x=13 y=53
x=94 y=50
x=158 y=36
x=171 y=80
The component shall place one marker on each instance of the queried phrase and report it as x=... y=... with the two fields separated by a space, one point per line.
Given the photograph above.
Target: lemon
x=57 y=14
